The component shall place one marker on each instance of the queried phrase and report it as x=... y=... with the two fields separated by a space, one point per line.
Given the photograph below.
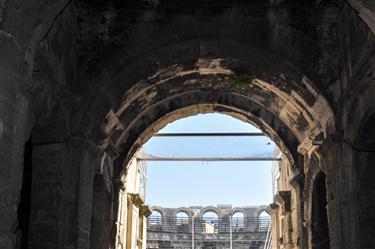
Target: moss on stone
x=242 y=81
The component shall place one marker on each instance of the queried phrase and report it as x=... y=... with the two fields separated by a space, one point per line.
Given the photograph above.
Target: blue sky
x=175 y=184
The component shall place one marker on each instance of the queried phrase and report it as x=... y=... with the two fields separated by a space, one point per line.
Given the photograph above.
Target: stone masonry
x=83 y=84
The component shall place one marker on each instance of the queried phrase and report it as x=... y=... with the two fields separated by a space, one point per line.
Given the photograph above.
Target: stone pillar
x=341 y=196
x=15 y=126
x=122 y=218
x=275 y=225
x=88 y=162
x=145 y=212
x=134 y=203
x=130 y=238
x=49 y=195
x=62 y=194
x=300 y=231
x=103 y=206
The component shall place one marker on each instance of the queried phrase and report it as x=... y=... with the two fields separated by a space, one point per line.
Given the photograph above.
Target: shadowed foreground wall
x=88 y=82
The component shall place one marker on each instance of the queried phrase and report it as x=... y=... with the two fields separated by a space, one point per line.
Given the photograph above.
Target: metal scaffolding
x=246 y=231
x=204 y=159
x=149 y=157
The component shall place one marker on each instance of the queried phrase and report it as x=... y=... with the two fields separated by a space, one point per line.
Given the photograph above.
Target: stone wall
x=15 y=126
x=88 y=82
x=172 y=231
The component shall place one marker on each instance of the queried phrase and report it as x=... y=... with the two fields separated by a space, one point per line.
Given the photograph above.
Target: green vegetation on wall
x=242 y=81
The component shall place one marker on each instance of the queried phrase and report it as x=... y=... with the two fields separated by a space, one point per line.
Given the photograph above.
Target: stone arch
x=238 y=209
x=238 y=218
x=118 y=127
x=262 y=209
x=207 y=209
x=185 y=219
x=210 y=224
x=274 y=79
x=268 y=93
x=263 y=221
x=265 y=211
x=263 y=89
x=156 y=217
x=127 y=133
x=183 y=210
x=14 y=12
x=271 y=82
x=158 y=209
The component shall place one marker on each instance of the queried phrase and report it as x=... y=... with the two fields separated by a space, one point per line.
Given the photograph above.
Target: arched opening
x=238 y=220
x=155 y=218
x=127 y=133
x=264 y=221
x=135 y=90
x=183 y=221
x=120 y=71
x=319 y=219
x=184 y=173
x=182 y=218
x=166 y=110
x=274 y=96
x=189 y=162
x=210 y=221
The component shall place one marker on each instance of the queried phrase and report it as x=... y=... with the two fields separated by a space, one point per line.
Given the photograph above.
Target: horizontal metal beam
x=211 y=134
x=203 y=159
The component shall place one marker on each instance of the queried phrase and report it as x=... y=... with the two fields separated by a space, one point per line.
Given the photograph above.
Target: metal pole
x=269 y=232
x=192 y=232
x=211 y=134
x=230 y=231
x=204 y=159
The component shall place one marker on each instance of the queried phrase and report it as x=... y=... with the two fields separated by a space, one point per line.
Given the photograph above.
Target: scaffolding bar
x=204 y=159
x=211 y=134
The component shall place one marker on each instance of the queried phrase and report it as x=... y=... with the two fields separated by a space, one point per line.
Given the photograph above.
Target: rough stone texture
x=111 y=73
x=102 y=215
x=366 y=10
x=29 y=21
x=15 y=126
x=103 y=206
x=62 y=194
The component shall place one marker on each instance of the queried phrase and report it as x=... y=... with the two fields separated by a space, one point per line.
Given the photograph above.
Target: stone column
x=103 y=203
x=15 y=126
x=341 y=196
x=62 y=194
x=50 y=196
x=122 y=218
x=300 y=231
